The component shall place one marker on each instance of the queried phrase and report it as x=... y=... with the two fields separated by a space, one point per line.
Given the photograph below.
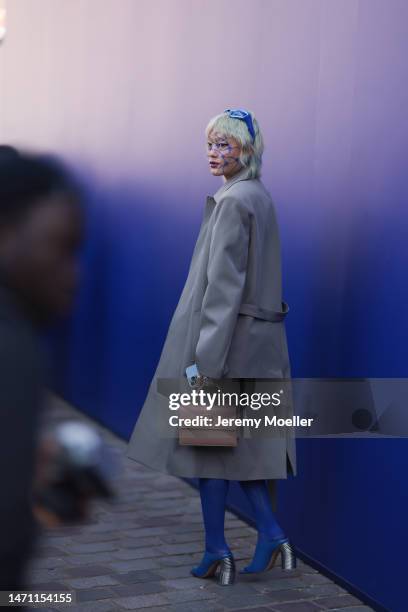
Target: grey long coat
x=230 y=321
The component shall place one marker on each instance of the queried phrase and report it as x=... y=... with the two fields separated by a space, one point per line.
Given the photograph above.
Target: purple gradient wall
x=123 y=91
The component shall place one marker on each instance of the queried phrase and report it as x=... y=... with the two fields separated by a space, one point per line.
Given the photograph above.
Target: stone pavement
x=136 y=553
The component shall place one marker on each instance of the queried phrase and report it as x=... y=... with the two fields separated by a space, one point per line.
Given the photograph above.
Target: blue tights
x=265 y=521
x=213 y=493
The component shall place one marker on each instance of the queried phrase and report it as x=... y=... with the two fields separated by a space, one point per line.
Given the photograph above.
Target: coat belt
x=260 y=313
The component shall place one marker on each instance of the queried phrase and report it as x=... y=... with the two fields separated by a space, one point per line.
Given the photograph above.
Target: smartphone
x=192 y=374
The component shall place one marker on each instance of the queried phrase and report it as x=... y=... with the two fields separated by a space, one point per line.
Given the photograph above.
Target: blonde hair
x=251 y=152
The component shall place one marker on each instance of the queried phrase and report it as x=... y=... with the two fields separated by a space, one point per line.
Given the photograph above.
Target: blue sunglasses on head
x=240 y=113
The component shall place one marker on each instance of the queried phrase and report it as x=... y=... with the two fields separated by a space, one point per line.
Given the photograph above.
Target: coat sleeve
x=226 y=275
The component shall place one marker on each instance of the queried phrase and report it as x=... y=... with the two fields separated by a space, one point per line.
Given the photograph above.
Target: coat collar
x=242 y=175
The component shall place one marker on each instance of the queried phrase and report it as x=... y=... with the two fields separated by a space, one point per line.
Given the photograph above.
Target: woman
x=229 y=323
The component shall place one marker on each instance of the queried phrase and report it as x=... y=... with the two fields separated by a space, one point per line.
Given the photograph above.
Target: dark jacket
x=22 y=377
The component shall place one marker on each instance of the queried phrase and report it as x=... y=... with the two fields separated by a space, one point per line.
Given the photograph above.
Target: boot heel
x=287 y=557
x=227 y=571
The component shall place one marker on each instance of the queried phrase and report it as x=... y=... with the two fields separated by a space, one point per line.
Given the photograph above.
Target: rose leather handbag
x=203 y=427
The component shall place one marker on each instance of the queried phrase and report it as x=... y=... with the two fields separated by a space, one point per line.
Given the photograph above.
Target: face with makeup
x=223 y=155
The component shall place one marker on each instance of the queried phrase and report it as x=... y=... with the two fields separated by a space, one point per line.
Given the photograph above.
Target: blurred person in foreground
x=41 y=229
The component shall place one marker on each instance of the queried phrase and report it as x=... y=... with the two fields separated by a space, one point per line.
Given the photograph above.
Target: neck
x=231 y=176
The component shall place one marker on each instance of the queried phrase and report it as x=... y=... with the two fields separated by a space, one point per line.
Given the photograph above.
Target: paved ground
x=137 y=553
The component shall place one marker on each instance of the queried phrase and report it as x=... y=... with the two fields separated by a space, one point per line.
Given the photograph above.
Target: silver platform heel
x=288 y=557
x=227 y=571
